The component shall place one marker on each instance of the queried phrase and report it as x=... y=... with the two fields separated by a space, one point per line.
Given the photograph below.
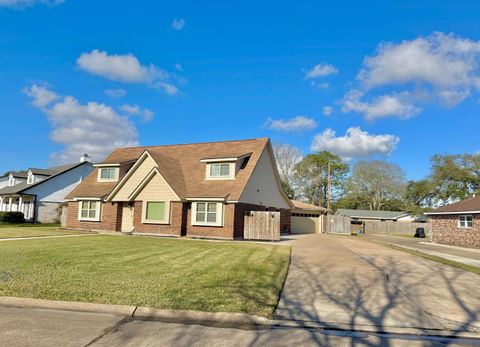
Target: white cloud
x=136 y=110
x=124 y=68
x=295 y=124
x=397 y=104
x=178 y=67
x=28 y=3
x=178 y=24
x=40 y=95
x=91 y=128
x=355 y=143
x=321 y=70
x=115 y=93
x=168 y=88
x=327 y=110
x=440 y=67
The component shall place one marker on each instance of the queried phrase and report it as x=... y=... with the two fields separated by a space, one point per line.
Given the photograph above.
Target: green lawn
x=30 y=225
x=30 y=231
x=147 y=271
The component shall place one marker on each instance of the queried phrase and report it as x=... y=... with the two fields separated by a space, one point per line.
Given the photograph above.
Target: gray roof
x=18 y=188
x=18 y=174
x=43 y=172
x=392 y=215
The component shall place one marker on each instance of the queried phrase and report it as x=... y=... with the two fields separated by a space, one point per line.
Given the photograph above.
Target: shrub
x=12 y=217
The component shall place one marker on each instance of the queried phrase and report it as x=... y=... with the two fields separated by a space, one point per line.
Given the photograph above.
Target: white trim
x=166 y=212
x=218 y=160
x=85 y=198
x=231 y=171
x=219 y=214
x=206 y=199
x=97 y=211
x=459 y=212
x=104 y=165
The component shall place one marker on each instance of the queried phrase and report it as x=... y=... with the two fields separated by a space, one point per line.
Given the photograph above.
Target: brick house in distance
x=457 y=224
x=194 y=190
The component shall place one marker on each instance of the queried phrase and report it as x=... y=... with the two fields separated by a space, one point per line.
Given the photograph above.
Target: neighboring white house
x=39 y=192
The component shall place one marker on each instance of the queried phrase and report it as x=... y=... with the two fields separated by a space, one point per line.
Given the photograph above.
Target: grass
x=147 y=271
x=30 y=225
x=458 y=265
x=30 y=231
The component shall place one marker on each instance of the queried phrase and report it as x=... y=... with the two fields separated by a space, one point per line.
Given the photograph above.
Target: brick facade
x=180 y=220
x=445 y=230
x=111 y=218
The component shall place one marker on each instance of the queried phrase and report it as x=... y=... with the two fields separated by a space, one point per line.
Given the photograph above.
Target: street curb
x=220 y=319
x=123 y=310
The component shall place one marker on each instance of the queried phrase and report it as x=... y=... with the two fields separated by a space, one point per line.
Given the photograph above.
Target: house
x=194 y=190
x=457 y=224
x=384 y=216
x=39 y=192
x=307 y=218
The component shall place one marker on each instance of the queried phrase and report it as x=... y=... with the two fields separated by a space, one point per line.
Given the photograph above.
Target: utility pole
x=328 y=187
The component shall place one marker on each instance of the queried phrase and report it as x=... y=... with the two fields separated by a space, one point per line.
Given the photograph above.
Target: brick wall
x=111 y=218
x=174 y=228
x=445 y=230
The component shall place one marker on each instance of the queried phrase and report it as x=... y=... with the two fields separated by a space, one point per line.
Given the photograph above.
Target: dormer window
x=220 y=171
x=30 y=178
x=108 y=174
x=11 y=180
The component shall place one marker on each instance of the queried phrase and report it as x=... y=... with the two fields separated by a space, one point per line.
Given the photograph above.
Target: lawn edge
x=445 y=261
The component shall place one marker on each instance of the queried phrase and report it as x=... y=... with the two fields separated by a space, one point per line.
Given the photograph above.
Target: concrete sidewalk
x=458 y=254
x=348 y=280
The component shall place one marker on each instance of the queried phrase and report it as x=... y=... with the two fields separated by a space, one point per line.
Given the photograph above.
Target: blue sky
x=396 y=80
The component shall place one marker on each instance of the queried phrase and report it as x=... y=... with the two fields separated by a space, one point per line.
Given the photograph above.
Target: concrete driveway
x=346 y=280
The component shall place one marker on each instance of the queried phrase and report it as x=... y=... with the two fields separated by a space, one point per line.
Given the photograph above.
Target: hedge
x=12 y=217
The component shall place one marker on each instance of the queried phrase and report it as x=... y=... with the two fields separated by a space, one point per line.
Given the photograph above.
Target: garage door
x=306 y=223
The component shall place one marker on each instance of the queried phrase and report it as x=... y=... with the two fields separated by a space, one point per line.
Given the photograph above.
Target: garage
x=307 y=218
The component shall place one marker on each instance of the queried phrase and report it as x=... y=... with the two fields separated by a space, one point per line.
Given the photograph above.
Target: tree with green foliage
x=311 y=177
x=419 y=195
x=378 y=184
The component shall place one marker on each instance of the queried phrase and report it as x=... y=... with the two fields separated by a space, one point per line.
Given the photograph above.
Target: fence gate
x=261 y=225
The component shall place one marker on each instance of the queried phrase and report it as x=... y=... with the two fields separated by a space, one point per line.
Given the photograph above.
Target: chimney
x=85 y=158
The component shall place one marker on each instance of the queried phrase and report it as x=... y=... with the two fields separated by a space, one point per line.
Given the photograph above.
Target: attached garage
x=307 y=218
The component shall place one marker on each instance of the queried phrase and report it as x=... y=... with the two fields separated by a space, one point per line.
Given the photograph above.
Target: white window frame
x=219 y=214
x=231 y=171
x=97 y=211
x=115 y=176
x=463 y=222
x=166 y=216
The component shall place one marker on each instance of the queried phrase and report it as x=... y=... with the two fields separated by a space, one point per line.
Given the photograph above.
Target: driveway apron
x=340 y=280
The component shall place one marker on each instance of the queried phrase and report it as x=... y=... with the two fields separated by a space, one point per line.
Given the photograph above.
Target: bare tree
x=287 y=157
x=377 y=183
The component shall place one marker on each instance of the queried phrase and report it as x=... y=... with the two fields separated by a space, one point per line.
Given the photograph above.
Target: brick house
x=457 y=224
x=195 y=190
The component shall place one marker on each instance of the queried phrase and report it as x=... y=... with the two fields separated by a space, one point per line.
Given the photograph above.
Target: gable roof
x=21 y=187
x=391 y=215
x=469 y=205
x=300 y=205
x=182 y=167
x=17 y=174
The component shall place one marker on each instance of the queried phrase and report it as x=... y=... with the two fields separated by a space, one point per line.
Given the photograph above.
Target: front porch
x=18 y=203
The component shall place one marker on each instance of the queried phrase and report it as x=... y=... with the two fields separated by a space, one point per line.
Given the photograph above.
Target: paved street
x=38 y=327
x=348 y=280
x=459 y=254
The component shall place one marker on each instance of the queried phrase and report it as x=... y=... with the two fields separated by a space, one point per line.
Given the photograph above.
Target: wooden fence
x=399 y=228
x=336 y=224
x=261 y=225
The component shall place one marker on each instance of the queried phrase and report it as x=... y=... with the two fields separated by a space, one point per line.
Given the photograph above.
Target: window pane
x=214 y=170
x=212 y=207
x=107 y=174
x=92 y=214
x=93 y=205
x=211 y=217
x=201 y=207
x=155 y=210
x=225 y=170
x=84 y=213
x=200 y=217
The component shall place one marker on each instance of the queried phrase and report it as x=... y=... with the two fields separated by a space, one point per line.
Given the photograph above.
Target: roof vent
x=85 y=158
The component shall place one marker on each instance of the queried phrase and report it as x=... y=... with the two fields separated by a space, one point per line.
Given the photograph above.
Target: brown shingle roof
x=300 y=205
x=182 y=168
x=469 y=205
